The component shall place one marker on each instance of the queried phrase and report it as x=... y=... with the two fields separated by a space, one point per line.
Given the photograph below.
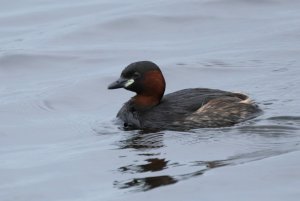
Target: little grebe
x=180 y=110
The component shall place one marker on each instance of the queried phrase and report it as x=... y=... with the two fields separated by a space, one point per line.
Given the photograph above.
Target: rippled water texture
x=58 y=135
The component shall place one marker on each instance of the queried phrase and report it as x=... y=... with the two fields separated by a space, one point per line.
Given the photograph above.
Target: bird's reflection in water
x=147 y=142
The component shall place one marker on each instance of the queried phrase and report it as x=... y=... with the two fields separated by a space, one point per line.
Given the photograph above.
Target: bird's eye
x=136 y=74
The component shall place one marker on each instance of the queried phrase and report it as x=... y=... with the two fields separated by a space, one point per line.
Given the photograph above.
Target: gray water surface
x=58 y=135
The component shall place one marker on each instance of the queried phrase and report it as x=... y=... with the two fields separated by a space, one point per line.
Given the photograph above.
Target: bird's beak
x=121 y=83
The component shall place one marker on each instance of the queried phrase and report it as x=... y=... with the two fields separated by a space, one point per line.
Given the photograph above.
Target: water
x=59 y=140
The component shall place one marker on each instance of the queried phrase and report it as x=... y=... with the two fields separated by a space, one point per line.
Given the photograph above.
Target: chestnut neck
x=153 y=85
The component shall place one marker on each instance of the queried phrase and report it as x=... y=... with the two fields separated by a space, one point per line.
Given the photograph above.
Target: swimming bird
x=181 y=110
